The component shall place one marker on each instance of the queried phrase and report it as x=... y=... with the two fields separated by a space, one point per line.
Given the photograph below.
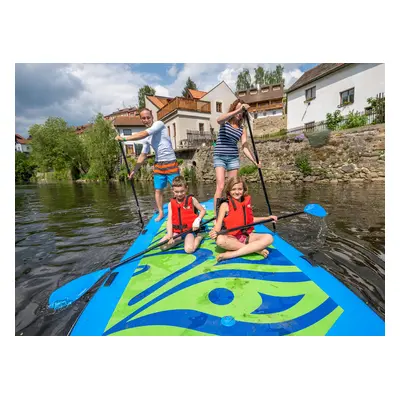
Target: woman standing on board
x=226 y=152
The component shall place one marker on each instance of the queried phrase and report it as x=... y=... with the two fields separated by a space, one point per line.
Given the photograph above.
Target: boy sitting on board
x=183 y=215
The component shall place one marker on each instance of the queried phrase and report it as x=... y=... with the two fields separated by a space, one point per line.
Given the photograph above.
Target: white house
x=22 y=145
x=330 y=87
x=127 y=126
x=192 y=119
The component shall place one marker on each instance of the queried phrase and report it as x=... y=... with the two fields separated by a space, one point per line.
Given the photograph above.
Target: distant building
x=192 y=121
x=329 y=87
x=125 y=112
x=264 y=101
x=127 y=126
x=22 y=145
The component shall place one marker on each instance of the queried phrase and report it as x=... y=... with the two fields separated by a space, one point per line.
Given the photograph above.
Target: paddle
x=73 y=290
x=257 y=160
x=133 y=186
x=312 y=209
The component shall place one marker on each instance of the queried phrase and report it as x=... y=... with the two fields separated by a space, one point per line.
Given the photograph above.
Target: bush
x=354 y=120
x=247 y=169
x=303 y=164
x=24 y=168
x=334 y=120
x=180 y=161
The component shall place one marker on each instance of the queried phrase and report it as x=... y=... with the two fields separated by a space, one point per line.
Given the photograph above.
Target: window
x=138 y=148
x=219 y=106
x=347 y=97
x=129 y=149
x=273 y=112
x=310 y=93
x=201 y=127
x=127 y=131
x=169 y=131
x=255 y=115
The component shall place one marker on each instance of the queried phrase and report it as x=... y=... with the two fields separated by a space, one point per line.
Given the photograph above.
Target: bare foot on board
x=159 y=218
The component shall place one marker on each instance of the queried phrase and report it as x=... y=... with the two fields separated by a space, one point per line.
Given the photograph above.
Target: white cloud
x=173 y=70
x=161 y=90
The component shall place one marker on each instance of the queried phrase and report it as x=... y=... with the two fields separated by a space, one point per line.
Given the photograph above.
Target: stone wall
x=349 y=155
x=268 y=125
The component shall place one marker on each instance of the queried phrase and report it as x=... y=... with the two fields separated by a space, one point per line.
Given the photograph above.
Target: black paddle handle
x=158 y=245
x=131 y=182
x=225 y=231
x=257 y=160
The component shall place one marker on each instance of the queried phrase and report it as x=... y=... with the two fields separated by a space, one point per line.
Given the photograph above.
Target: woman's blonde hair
x=232 y=182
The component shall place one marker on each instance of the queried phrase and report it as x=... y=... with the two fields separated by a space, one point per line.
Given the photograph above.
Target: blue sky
x=77 y=92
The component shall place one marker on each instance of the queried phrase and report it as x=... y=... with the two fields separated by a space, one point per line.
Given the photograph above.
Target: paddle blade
x=316 y=210
x=72 y=291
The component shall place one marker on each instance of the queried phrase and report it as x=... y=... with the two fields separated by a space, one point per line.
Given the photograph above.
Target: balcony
x=266 y=107
x=195 y=139
x=181 y=103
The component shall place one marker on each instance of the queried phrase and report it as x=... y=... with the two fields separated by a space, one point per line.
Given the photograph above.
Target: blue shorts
x=228 y=162
x=160 y=181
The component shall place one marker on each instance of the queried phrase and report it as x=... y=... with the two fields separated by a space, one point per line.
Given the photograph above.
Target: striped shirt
x=227 y=140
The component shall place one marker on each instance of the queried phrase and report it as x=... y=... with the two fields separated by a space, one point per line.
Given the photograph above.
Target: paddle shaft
x=158 y=245
x=131 y=181
x=257 y=160
x=225 y=231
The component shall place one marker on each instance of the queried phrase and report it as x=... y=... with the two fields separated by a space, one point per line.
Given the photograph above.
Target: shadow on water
x=66 y=230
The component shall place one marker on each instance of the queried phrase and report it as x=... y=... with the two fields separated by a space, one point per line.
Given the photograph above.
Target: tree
x=24 y=168
x=55 y=146
x=259 y=75
x=243 y=81
x=189 y=85
x=274 y=77
x=102 y=148
x=143 y=92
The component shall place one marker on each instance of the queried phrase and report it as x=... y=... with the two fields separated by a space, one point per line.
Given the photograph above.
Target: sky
x=77 y=92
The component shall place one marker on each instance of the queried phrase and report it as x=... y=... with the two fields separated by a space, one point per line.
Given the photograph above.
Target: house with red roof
x=192 y=121
x=22 y=145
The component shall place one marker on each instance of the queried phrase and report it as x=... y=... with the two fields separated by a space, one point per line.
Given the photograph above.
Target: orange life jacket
x=240 y=213
x=183 y=214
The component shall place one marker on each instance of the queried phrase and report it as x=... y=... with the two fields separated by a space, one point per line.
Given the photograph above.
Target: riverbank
x=352 y=155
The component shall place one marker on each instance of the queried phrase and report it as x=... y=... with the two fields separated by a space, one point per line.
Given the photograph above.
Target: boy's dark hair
x=179 y=181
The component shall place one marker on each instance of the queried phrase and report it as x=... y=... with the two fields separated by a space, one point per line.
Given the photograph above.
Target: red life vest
x=240 y=213
x=183 y=214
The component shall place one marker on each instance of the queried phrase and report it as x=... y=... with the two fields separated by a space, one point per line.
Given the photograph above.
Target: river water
x=63 y=231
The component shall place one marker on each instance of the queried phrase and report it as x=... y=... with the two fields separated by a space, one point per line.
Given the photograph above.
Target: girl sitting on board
x=237 y=211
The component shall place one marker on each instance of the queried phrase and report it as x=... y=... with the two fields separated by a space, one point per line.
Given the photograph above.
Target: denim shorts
x=228 y=162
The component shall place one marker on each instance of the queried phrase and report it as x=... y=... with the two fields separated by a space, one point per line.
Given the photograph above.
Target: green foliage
x=143 y=92
x=247 y=169
x=179 y=161
x=354 y=120
x=303 y=164
x=243 y=81
x=55 y=146
x=102 y=148
x=189 y=85
x=259 y=75
x=377 y=105
x=334 y=120
x=186 y=173
x=24 y=167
